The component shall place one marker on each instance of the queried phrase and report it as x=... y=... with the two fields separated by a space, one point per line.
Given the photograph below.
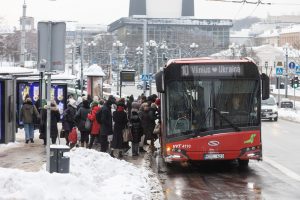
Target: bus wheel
x=243 y=163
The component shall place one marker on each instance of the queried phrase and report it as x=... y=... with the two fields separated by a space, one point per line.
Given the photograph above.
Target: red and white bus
x=210 y=109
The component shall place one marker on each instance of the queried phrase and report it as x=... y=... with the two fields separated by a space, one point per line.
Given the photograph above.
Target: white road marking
x=283 y=169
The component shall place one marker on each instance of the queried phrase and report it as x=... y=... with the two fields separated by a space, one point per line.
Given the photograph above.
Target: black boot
x=31 y=140
x=141 y=149
x=112 y=153
x=26 y=141
x=120 y=154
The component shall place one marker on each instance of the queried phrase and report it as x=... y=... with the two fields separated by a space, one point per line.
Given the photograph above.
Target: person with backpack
x=105 y=119
x=54 y=119
x=95 y=125
x=81 y=117
x=68 y=120
x=27 y=114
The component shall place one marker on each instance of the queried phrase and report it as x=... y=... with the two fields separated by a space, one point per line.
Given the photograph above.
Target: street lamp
x=152 y=45
x=23 y=32
x=193 y=46
x=91 y=46
x=117 y=45
x=81 y=61
x=266 y=66
x=139 y=53
x=164 y=48
x=233 y=47
x=286 y=48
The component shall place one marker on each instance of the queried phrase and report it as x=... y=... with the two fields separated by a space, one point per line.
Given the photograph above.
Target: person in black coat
x=68 y=121
x=55 y=117
x=137 y=132
x=106 y=123
x=81 y=116
x=120 y=119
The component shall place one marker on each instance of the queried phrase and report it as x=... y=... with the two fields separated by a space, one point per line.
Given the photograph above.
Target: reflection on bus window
x=191 y=102
x=188 y=102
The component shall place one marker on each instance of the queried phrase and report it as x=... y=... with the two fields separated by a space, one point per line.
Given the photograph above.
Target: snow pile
x=93 y=175
x=289 y=114
x=9 y=145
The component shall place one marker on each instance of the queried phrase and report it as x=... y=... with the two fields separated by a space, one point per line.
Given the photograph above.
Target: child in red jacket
x=95 y=130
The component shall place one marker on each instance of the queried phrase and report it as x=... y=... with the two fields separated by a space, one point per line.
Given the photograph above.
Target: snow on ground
x=9 y=145
x=290 y=114
x=93 y=175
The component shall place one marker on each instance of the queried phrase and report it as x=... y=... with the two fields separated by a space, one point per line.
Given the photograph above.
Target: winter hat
x=120 y=108
x=85 y=103
x=94 y=103
x=53 y=103
x=111 y=100
x=101 y=102
x=28 y=100
x=72 y=103
x=157 y=101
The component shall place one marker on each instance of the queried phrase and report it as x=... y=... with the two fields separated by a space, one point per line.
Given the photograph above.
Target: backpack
x=99 y=115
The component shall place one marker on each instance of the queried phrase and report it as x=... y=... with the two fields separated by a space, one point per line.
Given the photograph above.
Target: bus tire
x=243 y=163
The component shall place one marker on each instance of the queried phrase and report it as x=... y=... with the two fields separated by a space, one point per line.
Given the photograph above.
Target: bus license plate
x=212 y=156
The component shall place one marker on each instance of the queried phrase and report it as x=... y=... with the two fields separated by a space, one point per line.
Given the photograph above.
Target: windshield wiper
x=221 y=115
x=226 y=119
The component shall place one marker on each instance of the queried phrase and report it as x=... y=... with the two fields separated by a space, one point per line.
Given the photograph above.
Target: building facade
x=178 y=34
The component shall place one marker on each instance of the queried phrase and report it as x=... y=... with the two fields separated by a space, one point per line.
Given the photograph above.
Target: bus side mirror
x=159 y=80
x=265 y=93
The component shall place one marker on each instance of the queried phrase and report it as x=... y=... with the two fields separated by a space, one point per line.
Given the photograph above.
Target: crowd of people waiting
x=108 y=118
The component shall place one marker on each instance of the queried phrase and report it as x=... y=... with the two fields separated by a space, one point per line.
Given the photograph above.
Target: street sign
x=146 y=77
x=279 y=71
x=127 y=76
x=51 y=45
x=292 y=65
x=297 y=70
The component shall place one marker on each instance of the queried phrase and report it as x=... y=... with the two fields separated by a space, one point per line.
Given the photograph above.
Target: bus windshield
x=196 y=106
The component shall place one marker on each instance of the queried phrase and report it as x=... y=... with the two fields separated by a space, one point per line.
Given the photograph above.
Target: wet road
x=274 y=178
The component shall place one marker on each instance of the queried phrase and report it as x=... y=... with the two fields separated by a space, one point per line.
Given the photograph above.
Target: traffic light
x=78 y=85
x=84 y=85
x=292 y=82
x=78 y=50
x=296 y=82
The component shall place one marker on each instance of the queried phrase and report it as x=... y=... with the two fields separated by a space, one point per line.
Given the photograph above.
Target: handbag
x=156 y=130
x=127 y=135
x=62 y=133
x=88 y=124
x=73 y=136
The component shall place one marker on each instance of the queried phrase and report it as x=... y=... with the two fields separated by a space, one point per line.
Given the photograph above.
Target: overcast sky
x=107 y=11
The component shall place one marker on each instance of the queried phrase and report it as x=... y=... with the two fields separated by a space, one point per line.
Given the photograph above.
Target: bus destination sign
x=212 y=70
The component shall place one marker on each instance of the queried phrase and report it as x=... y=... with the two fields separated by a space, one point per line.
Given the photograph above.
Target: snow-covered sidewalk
x=93 y=175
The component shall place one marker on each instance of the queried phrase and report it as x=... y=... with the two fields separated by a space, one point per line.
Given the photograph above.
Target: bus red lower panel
x=226 y=146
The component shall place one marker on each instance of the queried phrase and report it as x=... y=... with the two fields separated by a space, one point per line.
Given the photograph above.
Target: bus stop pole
x=48 y=120
x=48 y=98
